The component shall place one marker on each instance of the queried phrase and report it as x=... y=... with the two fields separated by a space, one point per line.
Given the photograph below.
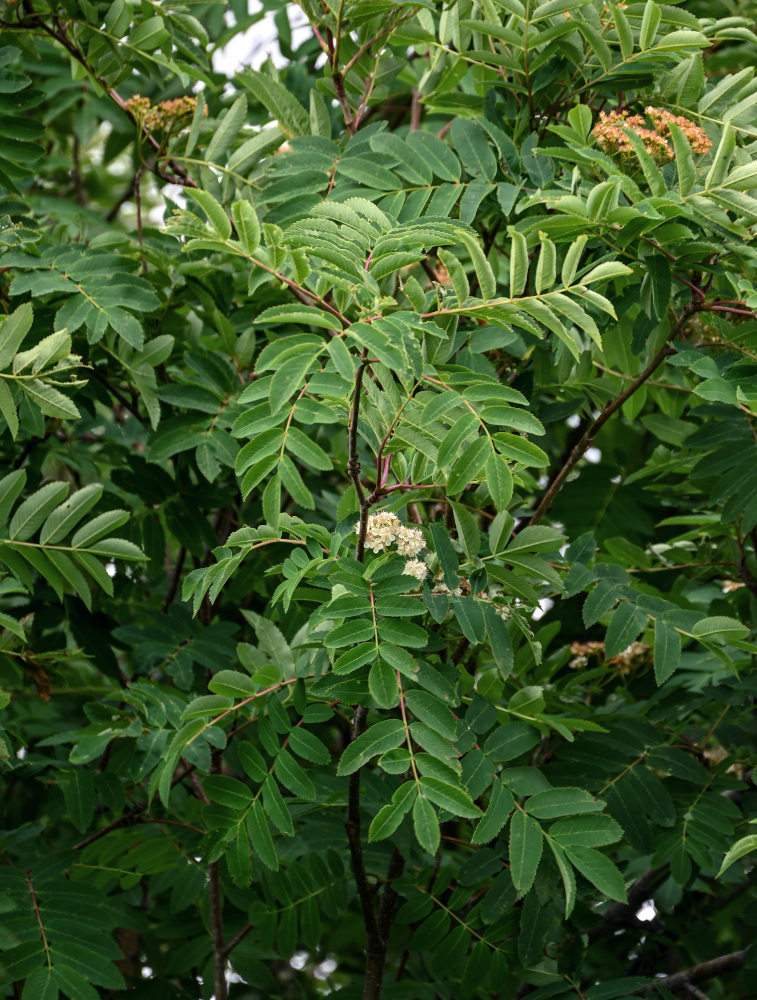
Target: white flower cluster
x=410 y=541
x=381 y=530
x=384 y=529
x=416 y=568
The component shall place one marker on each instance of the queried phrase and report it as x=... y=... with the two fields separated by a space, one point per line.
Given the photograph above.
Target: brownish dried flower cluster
x=636 y=655
x=613 y=128
x=662 y=120
x=163 y=116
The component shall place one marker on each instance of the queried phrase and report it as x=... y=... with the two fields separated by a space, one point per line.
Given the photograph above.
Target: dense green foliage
x=378 y=535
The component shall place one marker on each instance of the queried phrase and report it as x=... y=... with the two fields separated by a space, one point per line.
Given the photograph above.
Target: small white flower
x=385 y=520
x=410 y=541
x=416 y=568
x=440 y=587
x=381 y=530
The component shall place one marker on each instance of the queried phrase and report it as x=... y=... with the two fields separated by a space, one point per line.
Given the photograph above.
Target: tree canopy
x=378 y=508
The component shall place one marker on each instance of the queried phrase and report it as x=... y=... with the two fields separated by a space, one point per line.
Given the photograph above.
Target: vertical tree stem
x=216 y=927
x=215 y=894
x=377 y=926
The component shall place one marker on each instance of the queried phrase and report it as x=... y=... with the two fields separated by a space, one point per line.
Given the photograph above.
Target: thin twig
x=132 y=815
x=239 y=936
x=179 y=175
x=587 y=437
x=215 y=894
x=353 y=462
x=37 y=914
x=216 y=928
x=114 y=392
x=128 y=193
x=138 y=202
x=354 y=838
x=416 y=110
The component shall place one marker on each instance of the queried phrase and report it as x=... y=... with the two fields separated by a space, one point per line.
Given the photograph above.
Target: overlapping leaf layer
x=377 y=523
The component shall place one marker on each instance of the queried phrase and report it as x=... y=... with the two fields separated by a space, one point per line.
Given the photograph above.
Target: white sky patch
x=545 y=604
x=573 y=420
x=251 y=48
x=175 y=192
x=593 y=455
x=299 y=960
x=21 y=753
x=647 y=910
x=110 y=568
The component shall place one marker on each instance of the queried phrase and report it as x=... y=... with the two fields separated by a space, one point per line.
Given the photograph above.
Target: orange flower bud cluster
x=163 y=116
x=613 y=128
x=635 y=655
x=662 y=120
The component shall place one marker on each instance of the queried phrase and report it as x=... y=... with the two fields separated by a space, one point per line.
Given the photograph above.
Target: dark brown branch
x=389 y=895
x=353 y=834
x=460 y=650
x=129 y=818
x=374 y=952
x=681 y=981
x=416 y=110
x=216 y=929
x=215 y=893
x=593 y=428
x=367 y=46
x=132 y=815
x=696 y=993
x=178 y=175
x=115 y=392
x=350 y=122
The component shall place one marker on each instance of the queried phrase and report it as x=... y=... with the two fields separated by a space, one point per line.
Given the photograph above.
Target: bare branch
x=680 y=982
x=593 y=428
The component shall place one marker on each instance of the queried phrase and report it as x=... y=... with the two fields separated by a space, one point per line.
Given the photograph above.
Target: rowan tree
x=378 y=510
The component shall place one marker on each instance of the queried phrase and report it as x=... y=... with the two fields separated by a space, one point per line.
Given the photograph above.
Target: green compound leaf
x=378 y=738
